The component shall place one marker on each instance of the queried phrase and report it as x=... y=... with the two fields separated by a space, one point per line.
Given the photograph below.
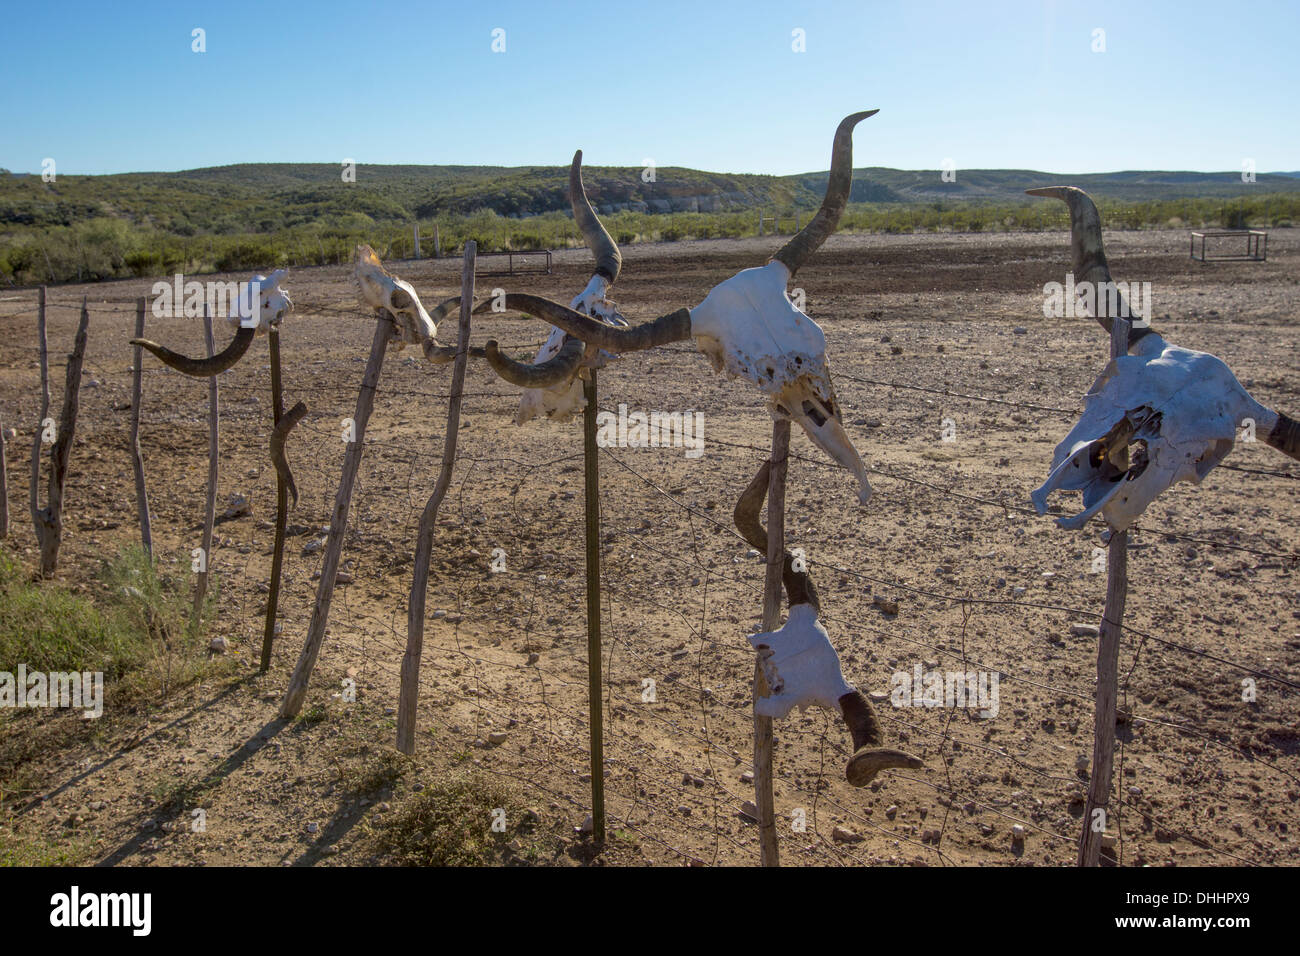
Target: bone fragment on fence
x=746 y=326
x=800 y=663
x=1155 y=416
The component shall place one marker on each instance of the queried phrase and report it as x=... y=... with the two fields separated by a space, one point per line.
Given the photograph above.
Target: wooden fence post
x=137 y=457
x=210 y=506
x=297 y=692
x=48 y=521
x=281 y=507
x=4 y=484
x=591 y=462
x=772 y=590
x=409 y=694
x=1096 y=817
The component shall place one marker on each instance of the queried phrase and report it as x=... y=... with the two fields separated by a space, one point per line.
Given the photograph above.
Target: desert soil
x=981 y=583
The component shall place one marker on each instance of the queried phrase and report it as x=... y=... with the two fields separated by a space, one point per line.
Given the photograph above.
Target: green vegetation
x=135 y=614
x=133 y=627
x=260 y=216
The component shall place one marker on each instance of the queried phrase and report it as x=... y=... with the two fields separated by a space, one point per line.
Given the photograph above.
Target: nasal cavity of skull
x=812 y=411
x=1138 y=459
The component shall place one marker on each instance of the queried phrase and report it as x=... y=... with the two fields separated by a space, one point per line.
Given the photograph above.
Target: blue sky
x=109 y=87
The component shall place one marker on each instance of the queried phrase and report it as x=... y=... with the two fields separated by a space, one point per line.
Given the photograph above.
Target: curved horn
x=443 y=309
x=799 y=588
x=1285 y=436
x=279 y=435
x=442 y=354
x=802 y=245
x=436 y=354
x=553 y=371
x=1086 y=248
x=608 y=259
x=674 y=327
x=203 y=368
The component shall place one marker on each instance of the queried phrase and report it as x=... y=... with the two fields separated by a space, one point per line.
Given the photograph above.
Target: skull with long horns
x=1154 y=417
x=259 y=305
x=746 y=326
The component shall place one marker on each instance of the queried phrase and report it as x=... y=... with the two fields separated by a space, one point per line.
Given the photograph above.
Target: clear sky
x=115 y=87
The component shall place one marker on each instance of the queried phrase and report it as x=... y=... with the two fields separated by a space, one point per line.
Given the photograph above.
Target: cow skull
x=558 y=370
x=386 y=293
x=799 y=662
x=250 y=320
x=273 y=304
x=747 y=325
x=1155 y=416
x=800 y=665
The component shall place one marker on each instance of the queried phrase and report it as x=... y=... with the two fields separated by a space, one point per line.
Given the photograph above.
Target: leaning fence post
x=1097 y=809
x=409 y=694
x=763 y=742
x=137 y=457
x=210 y=506
x=297 y=692
x=591 y=469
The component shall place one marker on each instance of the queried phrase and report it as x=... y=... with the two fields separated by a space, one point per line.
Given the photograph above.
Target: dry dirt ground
x=980 y=582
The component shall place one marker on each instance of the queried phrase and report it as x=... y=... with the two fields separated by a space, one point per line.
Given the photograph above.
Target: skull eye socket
x=400 y=299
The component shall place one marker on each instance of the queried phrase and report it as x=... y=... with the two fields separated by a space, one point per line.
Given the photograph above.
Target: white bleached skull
x=562 y=401
x=1155 y=417
x=748 y=327
x=800 y=665
x=381 y=290
x=273 y=303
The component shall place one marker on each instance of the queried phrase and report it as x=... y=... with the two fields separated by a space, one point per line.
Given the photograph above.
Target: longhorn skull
x=250 y=320
x=553 y=382
x=799 y=662
x=746 y=326
x=1154 y=417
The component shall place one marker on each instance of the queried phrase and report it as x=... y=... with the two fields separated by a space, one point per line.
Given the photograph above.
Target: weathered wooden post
x=1096 y=817
x=48 y=521
x=4 y=485
x=591 y=462
x=416 y=241
x=281 y=506
x=137 y=457
x=409 y=694
x=210 y=505
x=297 y=691
x=772 y=590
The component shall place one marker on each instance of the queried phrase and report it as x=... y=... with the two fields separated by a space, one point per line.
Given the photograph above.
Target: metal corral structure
x=524 y=268
x=1256 y=249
